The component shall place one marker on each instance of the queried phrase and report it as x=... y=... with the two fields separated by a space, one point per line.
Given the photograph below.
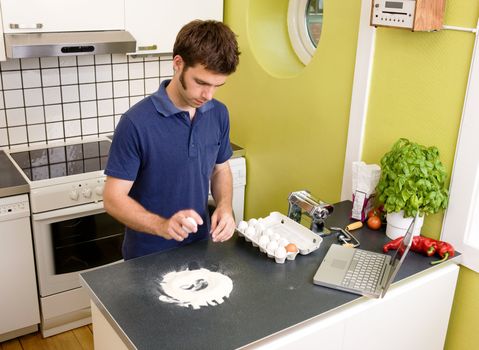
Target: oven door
x=72 y=240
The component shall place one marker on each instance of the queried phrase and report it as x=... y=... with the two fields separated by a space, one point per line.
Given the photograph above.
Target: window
x=305 y=22
x=461 y=222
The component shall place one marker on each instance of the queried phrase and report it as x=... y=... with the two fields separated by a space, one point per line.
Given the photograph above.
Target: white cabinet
x=22 y=16
x=18 y=287
x=155 y=23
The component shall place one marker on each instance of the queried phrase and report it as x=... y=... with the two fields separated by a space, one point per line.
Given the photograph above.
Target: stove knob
x=74 y=195
x=99 y=190
x=86 y=193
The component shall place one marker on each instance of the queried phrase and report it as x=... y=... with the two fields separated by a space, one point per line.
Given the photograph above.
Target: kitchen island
x=271 y=306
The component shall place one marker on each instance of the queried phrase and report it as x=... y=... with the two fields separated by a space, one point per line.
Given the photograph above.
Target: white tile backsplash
x=68 y=61
x=16 y=116
x=86 y=74
x=30 y=63
x=121 y=105
x=105 y=107
x=88 y=109
x=152 y=69
x=33 y=97
x=35 y=115
x=36 y=133
x=17 y=135
x=69 y=75
x=89 y=126
x=102 y=59
x=57 y=98
x=52 y=95
x=104 y=90
x=12 y=80
x=51 y=77
x=31 y=78
x=120 y=88
x=55 y=131
x=137 y=87
x=13 y=98
x=49 y=62
x=72 y=128
x=120 y=71
x=70 y=93
x=135 y=70
x=3 y=119
x=85 y=60
x=87 y=92
x=4 y=138
x=103 y=73
x=53 y=113
x=71 y=110
x=105 y=124
x=166 y=68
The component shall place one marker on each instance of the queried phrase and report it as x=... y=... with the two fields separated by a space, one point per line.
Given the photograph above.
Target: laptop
x=361 y=271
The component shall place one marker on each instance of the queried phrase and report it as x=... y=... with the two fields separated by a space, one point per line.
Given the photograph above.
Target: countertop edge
x=14 y=190
x=126 y=340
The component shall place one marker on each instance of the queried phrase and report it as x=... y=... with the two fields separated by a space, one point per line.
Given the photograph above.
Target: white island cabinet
x=26 y=16
x=155 y=23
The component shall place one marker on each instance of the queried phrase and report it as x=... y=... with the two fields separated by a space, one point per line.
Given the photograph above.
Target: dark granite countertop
x=266 y=298
x=11 y=181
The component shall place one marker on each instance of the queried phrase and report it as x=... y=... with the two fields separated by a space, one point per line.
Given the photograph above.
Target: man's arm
x=120 y=205
x=222 y=220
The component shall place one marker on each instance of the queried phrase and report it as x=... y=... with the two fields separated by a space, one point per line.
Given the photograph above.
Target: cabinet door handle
x=26 y=26
x=147 y=47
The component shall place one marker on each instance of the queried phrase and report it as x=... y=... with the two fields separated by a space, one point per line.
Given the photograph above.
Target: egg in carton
x=269 y=235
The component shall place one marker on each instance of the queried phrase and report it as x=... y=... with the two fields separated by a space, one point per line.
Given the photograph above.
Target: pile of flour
x=195 y=288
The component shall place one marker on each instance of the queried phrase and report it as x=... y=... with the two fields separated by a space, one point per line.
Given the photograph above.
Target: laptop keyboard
x=364 y=271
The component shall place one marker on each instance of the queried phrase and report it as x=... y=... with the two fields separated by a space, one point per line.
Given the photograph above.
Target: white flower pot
x=397 y=224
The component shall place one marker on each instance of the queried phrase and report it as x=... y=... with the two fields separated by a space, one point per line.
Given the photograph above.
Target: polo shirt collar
x=165 y=106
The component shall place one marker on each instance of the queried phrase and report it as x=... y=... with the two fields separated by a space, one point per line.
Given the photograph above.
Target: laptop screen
x=399 y=255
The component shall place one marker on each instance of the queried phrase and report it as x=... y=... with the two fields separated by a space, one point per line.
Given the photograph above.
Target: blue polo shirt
x=170 y=159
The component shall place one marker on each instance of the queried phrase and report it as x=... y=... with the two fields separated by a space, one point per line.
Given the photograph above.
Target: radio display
x=394 y=4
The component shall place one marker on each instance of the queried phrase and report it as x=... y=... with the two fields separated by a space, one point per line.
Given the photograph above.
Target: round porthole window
x=305 y=21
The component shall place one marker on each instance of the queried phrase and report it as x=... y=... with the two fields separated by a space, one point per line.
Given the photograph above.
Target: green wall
x=293 y=120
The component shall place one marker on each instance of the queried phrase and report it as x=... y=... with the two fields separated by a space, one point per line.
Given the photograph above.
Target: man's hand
x=178 y=227
x=222 y=225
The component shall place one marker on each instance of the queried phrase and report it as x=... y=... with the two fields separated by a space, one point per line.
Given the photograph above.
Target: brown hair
x=210 y=43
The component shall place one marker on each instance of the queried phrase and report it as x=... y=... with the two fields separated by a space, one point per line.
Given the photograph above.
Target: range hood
x=68 y=43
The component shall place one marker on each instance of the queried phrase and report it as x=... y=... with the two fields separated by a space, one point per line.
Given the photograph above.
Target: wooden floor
x=76 y=339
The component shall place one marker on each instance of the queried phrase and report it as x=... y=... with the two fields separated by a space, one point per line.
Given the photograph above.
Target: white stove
x=63 y=174
x=72 y=233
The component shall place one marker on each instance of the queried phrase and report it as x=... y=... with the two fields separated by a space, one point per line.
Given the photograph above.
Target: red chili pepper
x=424 y=245
x=445 y=250
x=393 y=245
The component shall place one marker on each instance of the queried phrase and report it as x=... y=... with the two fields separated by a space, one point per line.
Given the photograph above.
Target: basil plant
x=412 y=179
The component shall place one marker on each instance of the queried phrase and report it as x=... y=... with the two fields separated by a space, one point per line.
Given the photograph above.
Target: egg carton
x=273 y=233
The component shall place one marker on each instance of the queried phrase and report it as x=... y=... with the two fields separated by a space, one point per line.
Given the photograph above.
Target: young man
x=170 y=146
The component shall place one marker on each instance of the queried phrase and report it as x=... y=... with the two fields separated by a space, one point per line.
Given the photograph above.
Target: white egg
x=250 y=232
x=272 y=246
x=276 y=236
x=259 y=228
x=269 y=232
x=242 y=226
x=190 y=221
x=280 y=253
x=263 y=241
x=252 y=222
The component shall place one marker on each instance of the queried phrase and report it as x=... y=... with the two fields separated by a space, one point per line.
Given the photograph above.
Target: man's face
x=198 y=85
